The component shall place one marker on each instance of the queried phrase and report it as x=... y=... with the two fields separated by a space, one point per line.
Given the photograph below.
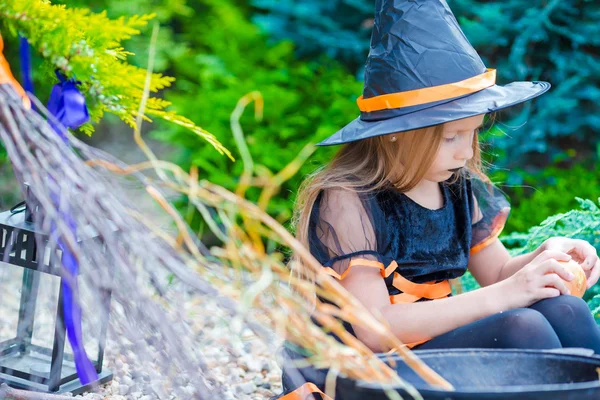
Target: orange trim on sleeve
x=429 y=94
x=485 y=243
x=385 y=271
x=498 y=225
x=362 y=262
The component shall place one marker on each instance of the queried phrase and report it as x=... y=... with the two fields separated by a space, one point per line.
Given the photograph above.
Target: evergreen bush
x=557 y=41
x=550 y=191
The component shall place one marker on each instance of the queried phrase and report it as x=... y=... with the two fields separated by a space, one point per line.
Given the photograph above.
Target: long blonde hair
x=373 y=163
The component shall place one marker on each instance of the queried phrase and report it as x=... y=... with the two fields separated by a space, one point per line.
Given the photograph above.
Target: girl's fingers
x=549 y=292
x=594 y=275
x=584 y=253
x=555 y=281
x=551 y=254
x=553 y=266
x=590 y=255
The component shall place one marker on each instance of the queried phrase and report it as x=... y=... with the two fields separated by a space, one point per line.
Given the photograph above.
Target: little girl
x=404 y=206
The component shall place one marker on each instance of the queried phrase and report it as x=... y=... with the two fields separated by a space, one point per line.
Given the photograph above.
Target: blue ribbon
x=67 y=104
x=26 y=66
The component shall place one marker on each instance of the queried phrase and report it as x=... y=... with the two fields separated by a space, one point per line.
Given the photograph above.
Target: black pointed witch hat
x=422 y=71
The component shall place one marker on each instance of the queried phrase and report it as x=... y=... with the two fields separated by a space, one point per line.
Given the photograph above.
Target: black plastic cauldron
x=569 y=373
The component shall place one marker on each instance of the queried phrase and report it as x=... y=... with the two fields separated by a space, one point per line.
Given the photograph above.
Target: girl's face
x=455 y=149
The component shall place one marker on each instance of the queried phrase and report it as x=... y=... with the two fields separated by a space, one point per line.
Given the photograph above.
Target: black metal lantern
x=24 y=364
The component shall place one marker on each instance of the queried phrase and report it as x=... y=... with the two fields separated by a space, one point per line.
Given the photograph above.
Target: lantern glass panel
x=37 y=342
x=10 y=287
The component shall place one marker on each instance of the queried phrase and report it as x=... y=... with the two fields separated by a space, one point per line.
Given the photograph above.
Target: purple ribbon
x=67 y=104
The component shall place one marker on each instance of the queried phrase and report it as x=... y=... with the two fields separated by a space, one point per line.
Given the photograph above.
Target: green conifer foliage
x=87 y=47
x=338 y=28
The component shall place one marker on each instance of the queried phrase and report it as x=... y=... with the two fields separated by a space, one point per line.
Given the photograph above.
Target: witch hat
x=422 y=71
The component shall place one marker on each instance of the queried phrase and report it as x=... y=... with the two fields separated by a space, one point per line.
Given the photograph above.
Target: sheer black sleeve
x=489 y=214
x=342 y=229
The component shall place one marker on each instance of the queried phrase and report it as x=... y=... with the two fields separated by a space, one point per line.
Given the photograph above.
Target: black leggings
x=563 y=321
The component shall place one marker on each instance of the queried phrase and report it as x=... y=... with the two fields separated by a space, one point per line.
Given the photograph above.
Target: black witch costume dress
x=417 y=249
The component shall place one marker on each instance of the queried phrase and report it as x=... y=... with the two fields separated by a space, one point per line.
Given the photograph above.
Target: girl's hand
x=542 y=278
x=581 y=251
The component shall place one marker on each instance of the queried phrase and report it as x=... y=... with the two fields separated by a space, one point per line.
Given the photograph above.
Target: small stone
x=230 y=396
x=223 y=360
x=93 y=396
x=258 y=380
x=135 y=388
x=126 y=380
x=249 y=364
x=247 y=334
x=266 y=366
x=123 y=390
x=273 y=378
x=135 y=374
x=247 y=387
x=235 y=351
x=265 y=393
x=158 y=390
x=189 y=390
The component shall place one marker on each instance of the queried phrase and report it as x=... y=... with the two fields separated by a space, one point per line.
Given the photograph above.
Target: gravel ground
x=242 y=363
